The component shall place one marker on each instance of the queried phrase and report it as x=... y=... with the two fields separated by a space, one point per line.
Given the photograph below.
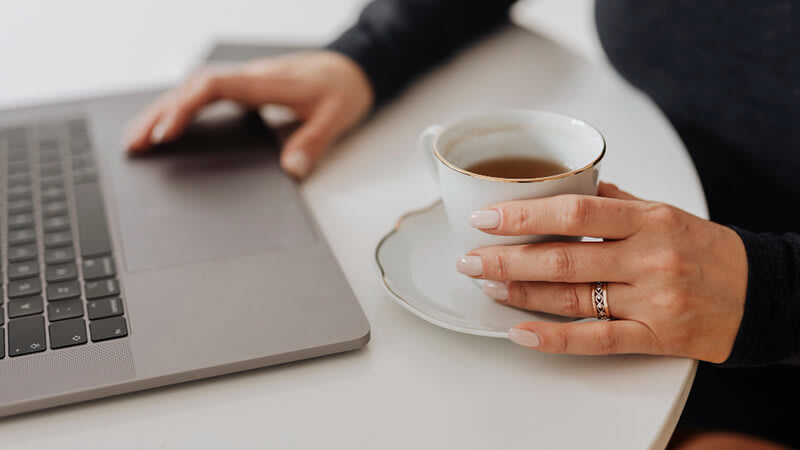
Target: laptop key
x=50 y=169
x=57 y=208
x=26 y=335
x=105 y=307
x=105 y=329
x=16 y=221
x=101 y=288
x=19 y=191
x=53 y=194
x=65 y=309
x=92 y=229
x=23 y=269
x=58 y=239
x=63 y=290
x=59 y=255
x=19 y=178
x=21 y=253
x=68 y=333
x=17 y=155
x=23 y=236
x=24 y=288
x=52 y=182
x=94 y=268
x=49 y=157
x=18 y=167
x=2 y=343
x=27 y=306
x=49 y=144
x=61 y=272
x=57 y=223
x=20 y=206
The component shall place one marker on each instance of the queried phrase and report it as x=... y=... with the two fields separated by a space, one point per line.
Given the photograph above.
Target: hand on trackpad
x=215 y=192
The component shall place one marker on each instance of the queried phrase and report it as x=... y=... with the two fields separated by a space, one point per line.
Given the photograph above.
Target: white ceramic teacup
x=518 y=133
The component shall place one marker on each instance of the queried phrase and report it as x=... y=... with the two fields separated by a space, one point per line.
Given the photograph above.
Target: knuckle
x=664 y=215
x=560 y=263
x=518 y=295
x=570 y=301
x=519 y=219
x=676 y=303
x=500 y=266
x=559 y=341
x=670 y=261
x=576 y=213
x=674 y=264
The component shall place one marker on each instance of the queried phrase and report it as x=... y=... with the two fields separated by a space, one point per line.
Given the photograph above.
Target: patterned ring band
x=600 y=300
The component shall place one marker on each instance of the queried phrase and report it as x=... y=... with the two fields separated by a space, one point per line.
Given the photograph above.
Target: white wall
x=53 y=48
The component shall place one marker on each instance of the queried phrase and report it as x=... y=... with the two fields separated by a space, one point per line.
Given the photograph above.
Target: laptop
x=121 y=274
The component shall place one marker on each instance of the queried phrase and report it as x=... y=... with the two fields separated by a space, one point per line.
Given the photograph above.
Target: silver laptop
x=121 y=274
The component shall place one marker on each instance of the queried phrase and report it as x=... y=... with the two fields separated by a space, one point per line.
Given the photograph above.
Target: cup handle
x=426 y=140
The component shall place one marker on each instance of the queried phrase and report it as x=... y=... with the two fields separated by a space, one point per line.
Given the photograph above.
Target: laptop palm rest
x=216 y=192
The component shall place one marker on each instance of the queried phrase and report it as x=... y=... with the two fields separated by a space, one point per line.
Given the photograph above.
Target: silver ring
x=600 y=300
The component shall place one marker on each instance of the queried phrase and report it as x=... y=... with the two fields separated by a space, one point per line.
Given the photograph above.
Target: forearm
x=396 y=40
x=770 y=328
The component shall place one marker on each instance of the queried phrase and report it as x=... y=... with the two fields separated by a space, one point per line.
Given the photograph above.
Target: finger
x=308 y=143
x=207 y=87
x=569 y=262
x=586 y=338
x=193 y=95
x=612 y=191
x=566 y=215
x=564 y=299
x=137 y=135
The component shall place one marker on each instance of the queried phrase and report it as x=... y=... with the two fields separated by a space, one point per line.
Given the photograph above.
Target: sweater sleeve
x=395 y=40
x=770 y=329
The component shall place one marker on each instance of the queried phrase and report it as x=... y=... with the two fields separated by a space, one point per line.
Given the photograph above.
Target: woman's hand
x=326 y=90
x=676 y=283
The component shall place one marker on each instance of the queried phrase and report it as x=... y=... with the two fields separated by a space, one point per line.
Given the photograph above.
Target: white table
x=414 y=385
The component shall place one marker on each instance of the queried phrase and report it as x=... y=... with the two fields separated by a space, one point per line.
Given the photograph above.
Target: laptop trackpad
x=217 y=192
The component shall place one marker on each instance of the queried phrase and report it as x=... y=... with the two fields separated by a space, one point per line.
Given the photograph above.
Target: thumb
x=308 y=144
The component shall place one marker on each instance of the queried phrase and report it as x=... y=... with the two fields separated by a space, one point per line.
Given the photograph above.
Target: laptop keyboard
x=56 y=258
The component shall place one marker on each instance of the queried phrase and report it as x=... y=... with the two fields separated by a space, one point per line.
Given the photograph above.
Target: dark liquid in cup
x=518 y=167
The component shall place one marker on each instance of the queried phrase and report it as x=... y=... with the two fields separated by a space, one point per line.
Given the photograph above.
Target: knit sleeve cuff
x=769 y=331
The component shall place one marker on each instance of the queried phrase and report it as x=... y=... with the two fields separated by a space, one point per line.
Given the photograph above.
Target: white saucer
x=417 y=264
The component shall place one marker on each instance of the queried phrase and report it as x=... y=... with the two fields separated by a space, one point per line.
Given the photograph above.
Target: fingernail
x=297 y=163
x=470 y=265
x=485 y=219
x=157 y=135
x=524 y=338
x=498 y=290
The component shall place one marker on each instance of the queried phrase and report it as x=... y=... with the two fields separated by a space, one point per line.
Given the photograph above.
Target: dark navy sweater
x=726 y=75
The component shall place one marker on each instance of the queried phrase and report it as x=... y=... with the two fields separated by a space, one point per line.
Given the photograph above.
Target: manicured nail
x=498 y=290
x=485 y=219
x=157 y=135
x=524 y=338
x=470 y=265
x=297 y=163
